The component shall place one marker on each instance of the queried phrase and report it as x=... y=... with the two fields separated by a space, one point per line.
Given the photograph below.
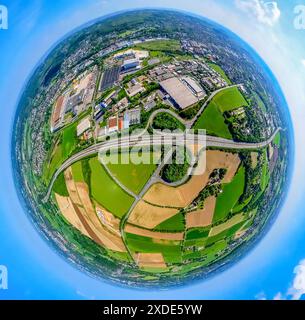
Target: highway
x=144 y=140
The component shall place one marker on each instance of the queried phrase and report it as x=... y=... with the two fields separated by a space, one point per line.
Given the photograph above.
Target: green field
x=225 y=234
x=69 y=140
x=54 y=164
x=218 y=69
x=77 y=171
x=277 y=139
x=133 y=176
x=173 y=224
x=161 y=45
x=240 y=206
x=213 y=121
x=229 y=99
x=209 y=252
x=60 y=186
x=171 y=252
x=106 y=192
x=230 y=195
x=197 y=233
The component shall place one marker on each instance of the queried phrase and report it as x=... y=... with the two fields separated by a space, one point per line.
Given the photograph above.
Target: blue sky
x=35 y=270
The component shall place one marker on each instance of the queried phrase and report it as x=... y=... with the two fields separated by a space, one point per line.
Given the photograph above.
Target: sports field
x=106 y=192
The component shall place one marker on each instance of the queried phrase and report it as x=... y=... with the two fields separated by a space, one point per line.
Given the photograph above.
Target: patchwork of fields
x=165 y=228
x=157 y=236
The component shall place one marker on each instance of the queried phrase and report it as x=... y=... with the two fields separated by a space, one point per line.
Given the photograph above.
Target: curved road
x=146 y=140
x=142 y=139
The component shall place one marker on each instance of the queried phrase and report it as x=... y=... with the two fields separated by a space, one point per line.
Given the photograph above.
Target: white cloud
x=298 y=286
x=261 y=296
x=303 y=62
x=279 y=296
x=266 y=12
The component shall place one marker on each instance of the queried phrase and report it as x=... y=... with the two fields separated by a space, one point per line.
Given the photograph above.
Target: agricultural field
x=161 y=45
x=151 y=223
x=54 y=163
x=171 y=250
x=173 y=224
x=213 y=122
x=277 y=140
x=69 y=140
x=230 y=99
x=77 y=171
x=230 y=196
x=133 y=176
x=106 y=192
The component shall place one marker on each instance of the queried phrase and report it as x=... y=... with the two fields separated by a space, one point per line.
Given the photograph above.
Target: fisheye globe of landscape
x=152 y=148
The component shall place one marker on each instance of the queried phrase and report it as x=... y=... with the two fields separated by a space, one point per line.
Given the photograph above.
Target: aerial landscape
x=105 y=112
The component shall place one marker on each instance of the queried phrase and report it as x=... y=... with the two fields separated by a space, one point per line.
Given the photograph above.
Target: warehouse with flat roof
x=180 y=94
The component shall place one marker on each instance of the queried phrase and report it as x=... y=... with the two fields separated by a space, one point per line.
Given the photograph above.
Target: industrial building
x=179 y=92
x=110 y=78
x=197 y=90
x=130 y=64
x=83 y=126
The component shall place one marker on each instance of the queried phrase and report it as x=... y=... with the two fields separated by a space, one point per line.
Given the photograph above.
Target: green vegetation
x=226 y=234
x=277 y=139
x=122 y=256
x=178 y=169
x=54 y=164
x=219 y=70
x=197 y=233
x=213 y=121
x=190 y=113
x=260 y=102
x=230 y=196
x=171 y=250
x=106 y=192
x=165 y=121
x=265 y=172
x=209 y=253
x=229 y=99
x=60 y=186
x=239 y=207
x=173 y=224
x=77 y=172
x=133 y=176
x=69 y=140
x=171 y=46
